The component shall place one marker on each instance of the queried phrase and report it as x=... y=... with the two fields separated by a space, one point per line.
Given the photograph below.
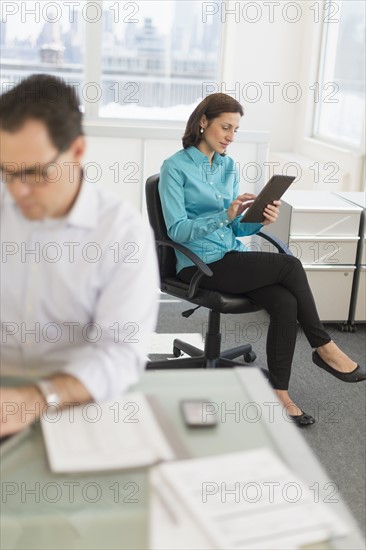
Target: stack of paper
x=246 y=500
x=122 y=434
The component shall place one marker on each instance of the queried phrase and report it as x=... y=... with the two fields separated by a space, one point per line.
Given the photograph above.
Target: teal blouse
x=195 y=196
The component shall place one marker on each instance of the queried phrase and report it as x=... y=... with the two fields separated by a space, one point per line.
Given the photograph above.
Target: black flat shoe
x=303 y=419
x=357 y=375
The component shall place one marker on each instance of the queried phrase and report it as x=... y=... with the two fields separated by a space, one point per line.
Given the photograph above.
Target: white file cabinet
x=360 y=311
x=358 y=302
x=322 y=230
x=331 y=287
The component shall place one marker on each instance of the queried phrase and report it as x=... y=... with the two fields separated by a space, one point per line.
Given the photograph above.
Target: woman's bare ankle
x=336 y=358
x=291 y=407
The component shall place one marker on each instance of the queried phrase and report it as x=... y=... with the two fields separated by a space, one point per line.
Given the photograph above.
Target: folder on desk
x=118 y=435
x=246 y=500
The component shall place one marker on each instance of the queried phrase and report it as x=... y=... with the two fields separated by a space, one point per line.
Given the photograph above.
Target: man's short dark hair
x=48 y=99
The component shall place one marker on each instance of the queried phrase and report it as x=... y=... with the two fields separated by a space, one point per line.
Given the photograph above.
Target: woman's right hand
x=237 y=207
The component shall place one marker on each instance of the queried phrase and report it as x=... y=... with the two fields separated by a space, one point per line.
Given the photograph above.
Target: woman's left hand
x=271 y=212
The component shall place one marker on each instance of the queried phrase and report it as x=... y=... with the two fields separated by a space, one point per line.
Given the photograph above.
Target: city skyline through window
x=155 y=56
x=41 y=38
x=169 y=52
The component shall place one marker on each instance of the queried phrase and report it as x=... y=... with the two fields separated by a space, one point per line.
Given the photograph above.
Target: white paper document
x=116 y=435
x=246 y=500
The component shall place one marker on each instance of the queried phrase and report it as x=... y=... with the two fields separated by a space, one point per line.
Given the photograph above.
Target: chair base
x=211 y=357
x=200 y=362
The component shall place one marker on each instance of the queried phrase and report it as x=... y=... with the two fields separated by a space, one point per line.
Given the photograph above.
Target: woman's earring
x=201 y=130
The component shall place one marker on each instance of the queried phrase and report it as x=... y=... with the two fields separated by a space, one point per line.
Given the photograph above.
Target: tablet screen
x=273 y=191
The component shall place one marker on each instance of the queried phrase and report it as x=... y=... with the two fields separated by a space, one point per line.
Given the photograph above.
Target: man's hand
x=237 y=207
x=271 y=212
x=19 y=407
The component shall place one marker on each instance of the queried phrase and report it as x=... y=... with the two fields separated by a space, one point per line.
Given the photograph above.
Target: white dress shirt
x=78 y=293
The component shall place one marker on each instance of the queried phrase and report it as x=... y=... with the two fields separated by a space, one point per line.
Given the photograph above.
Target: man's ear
x=78 y=148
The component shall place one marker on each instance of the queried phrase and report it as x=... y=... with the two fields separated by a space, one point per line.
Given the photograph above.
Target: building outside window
x=155 y=55
x=155 y=62
x=34 y=40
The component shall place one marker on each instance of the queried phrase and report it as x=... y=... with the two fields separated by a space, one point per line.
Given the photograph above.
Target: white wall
x=271 y=50
x=347 y=166
x=275 y=50
x=264 y=52
x=121 y=159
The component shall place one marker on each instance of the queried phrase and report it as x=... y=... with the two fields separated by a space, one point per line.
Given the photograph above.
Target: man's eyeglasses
x=38 y=175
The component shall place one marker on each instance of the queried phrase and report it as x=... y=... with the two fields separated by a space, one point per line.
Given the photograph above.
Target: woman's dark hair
x=45 y=98
x=212 y=106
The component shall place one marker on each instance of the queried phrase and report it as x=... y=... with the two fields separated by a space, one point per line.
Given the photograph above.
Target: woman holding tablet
x=199 y=193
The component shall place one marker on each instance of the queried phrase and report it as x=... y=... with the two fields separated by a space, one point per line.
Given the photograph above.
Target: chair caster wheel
x=177 y=352
x=250 y=357
x=348 y=327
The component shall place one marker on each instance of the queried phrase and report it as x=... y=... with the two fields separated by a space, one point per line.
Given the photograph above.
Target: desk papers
x=116 y=435
x=245 y=500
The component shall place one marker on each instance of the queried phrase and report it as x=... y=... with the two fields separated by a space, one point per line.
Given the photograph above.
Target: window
x=165 y=52
x=41 y=37
x=154 y=55
x=340 y=108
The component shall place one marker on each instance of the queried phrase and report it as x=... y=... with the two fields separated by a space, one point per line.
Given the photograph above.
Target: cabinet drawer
x=331 y=287
x=363 y=257
x=360 y=313
x=324 y=250
x=358 y=198
x=317 y=224
x=321 y=213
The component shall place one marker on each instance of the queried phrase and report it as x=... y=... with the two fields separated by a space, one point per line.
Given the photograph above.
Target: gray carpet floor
x=338 y=438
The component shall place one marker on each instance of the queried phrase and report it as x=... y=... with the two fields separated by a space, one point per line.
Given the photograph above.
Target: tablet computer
x=273 y=191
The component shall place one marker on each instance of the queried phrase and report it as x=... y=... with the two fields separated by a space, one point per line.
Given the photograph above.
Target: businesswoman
x=202 y=208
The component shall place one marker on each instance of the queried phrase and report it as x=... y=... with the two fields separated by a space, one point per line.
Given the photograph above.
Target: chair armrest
x=202 y=268
x=191 y=255
x=280 y=245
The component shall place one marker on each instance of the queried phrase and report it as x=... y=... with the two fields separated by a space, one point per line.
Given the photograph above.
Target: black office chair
x=217 y=302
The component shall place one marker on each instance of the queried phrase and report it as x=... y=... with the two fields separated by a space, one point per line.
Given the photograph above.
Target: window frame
x=93 y=73
x=315 y=114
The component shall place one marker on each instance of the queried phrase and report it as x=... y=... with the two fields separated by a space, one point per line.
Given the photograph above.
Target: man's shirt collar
x=84 y=212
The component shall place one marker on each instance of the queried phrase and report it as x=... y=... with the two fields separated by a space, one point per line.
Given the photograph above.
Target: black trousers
x=277 y=283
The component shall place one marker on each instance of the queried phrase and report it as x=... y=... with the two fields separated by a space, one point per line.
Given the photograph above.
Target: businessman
x=79 y=275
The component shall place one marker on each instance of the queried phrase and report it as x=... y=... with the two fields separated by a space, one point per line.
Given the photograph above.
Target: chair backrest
x=166 y=254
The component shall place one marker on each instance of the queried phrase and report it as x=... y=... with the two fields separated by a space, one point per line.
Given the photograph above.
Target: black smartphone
x=198 y=413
